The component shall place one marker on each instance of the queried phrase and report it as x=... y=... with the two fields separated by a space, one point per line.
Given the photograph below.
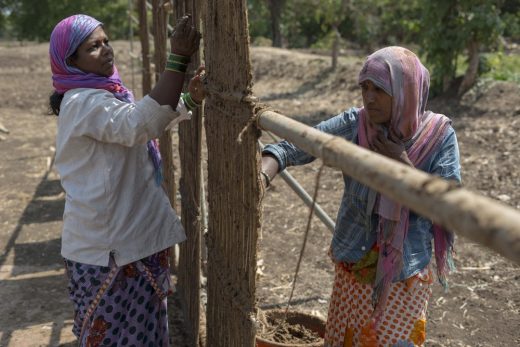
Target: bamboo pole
x=478 y=218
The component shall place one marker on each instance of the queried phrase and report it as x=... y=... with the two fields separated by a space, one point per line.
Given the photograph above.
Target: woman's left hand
x=391 y=147
x=196 y=86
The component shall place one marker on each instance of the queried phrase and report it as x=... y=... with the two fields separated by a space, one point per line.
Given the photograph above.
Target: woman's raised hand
x=196 y=86
x=185 y=38
x=391 y=147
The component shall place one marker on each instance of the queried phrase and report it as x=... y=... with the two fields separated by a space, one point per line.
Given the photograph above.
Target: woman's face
x=377 y=102
x=95 y=55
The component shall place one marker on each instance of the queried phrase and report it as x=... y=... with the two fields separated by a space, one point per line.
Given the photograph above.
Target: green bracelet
x=174 y=66
x=189 y=102
x=175 y=58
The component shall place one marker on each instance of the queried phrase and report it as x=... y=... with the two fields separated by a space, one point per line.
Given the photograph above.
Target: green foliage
x=443 y=28
x=512 y=25
x=35 y=19
x=300 y=26
x=330 y=12
x=326 y=41
x=449 y=26
x=258 y=17
x=502 y=67
x=400 y=21
x=368 y=23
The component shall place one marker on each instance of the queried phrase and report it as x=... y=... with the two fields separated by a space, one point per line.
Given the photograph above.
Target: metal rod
x=307 y=199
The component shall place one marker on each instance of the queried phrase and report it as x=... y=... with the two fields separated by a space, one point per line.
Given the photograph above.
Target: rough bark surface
x=472 y=71
x=233 y=184
x=190 y=149
x=145 y=46
x=160 y=22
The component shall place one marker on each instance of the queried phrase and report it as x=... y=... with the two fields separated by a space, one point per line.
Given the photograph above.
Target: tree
x=258 y=18
x=35 y=19
x=301 y=27
x=275 y=9
x=331 y=13
x=464 y=26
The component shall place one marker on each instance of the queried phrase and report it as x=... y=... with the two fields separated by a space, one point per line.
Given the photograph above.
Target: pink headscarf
x=65 y=39
x=401 y=75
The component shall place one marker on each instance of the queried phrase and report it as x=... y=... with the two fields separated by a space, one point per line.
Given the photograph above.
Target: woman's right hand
x=196 y=86
x=185 y=38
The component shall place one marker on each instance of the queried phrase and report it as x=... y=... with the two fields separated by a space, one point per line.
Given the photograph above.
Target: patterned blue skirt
x=121 y=306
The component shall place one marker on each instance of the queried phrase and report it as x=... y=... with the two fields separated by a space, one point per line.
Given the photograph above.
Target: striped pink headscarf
x=65 y=39
x=401 y=75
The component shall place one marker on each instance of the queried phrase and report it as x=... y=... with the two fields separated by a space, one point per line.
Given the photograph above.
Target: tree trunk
x=335 y=47
x=472 y=71
x=275 y=8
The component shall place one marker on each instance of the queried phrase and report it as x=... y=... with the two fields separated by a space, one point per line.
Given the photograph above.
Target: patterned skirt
x=403 y=323
x=121 y=306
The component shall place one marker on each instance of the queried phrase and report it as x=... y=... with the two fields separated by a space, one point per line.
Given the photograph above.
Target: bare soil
x=291 y=327
x=482 y=307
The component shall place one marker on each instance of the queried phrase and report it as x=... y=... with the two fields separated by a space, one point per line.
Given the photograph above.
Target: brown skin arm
x=270 y=167
x=184 y=41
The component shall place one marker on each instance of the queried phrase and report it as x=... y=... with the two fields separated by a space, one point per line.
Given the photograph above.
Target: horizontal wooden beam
x=480 y=219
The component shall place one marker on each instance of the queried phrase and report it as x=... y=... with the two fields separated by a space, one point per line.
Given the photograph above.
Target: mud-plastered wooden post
x=233 y=185
x=190 y=152
x=145 y=45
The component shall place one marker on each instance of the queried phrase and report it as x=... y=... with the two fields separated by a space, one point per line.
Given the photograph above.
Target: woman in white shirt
x=118 y=223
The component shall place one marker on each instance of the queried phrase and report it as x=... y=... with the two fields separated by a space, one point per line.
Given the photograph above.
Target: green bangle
x=189 y=102
x=175 y=58
x=173 y=66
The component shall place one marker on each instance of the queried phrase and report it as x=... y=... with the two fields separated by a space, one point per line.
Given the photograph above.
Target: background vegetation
x=35 y=19
x=458 y=39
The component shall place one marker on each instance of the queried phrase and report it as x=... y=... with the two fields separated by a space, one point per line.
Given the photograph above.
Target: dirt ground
x=482 y=307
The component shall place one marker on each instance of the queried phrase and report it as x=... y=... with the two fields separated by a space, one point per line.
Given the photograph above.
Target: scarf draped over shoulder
x=399 y=73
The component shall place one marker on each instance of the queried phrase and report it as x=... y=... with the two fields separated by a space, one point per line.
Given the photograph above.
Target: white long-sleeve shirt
x=113 y=204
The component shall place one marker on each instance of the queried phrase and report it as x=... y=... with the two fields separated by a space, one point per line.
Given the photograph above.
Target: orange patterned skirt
x=403 y=323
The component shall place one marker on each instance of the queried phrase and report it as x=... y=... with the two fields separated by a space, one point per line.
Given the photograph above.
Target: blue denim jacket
x=351 y=240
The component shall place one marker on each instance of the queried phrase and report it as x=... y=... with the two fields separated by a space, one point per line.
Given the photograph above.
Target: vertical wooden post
x=190 y=151
x=160 y=37
x=233 y=184
x=145 y=46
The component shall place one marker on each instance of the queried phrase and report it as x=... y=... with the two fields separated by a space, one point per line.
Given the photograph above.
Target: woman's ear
x=70 y=62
